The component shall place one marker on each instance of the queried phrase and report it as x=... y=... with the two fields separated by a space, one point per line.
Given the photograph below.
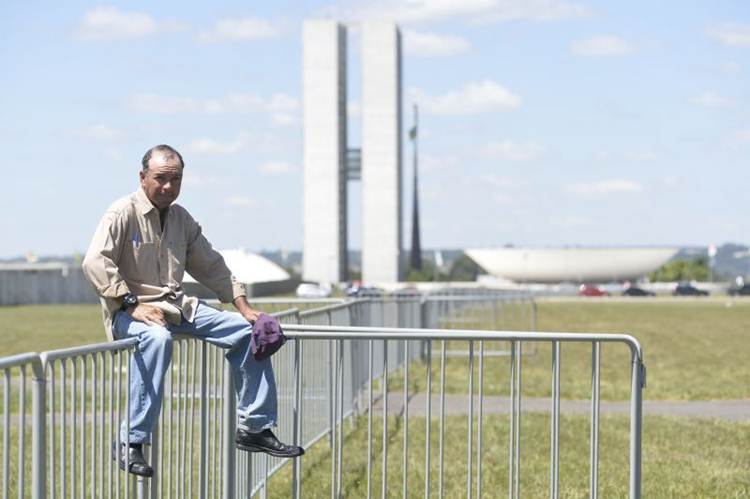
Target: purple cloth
x=267 y=337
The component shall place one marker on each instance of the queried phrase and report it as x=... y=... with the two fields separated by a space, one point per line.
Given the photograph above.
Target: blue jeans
x=253 y=379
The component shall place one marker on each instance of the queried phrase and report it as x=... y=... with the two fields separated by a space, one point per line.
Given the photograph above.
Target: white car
x=311 y=290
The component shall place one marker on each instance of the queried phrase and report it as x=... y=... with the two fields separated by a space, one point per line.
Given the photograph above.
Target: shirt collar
x=142 y=202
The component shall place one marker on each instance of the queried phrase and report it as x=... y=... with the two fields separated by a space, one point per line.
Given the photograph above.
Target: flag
x=413 y=132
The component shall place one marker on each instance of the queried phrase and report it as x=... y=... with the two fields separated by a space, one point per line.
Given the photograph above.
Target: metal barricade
x=474 y=458
x=60 y=427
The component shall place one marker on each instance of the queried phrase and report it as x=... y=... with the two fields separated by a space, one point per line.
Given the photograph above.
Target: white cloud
x=211 y=147
x=98 y=133
x=110 y=23
x=732 y=34
x=240 y=202
x=711 y=99
x=473 y=98
x=232 y=103
x=604 y=187
x=275 y=168
x=418 y=43
x=601 y=46
x=509 y=150
x=285 y=119
x=249 y=28
x=406 y=11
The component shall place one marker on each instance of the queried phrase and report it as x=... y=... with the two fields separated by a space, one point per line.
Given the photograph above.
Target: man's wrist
x=128 y=301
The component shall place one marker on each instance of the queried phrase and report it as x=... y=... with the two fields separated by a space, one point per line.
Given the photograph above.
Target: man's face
x=161 y=182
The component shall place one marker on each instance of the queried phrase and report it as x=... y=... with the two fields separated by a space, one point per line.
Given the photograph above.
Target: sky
x=542 y=122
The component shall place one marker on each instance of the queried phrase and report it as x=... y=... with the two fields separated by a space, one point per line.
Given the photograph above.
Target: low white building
x=260 y=275
x=547 y=265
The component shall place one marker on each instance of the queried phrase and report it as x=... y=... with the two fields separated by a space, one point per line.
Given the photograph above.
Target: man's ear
x=142 y=175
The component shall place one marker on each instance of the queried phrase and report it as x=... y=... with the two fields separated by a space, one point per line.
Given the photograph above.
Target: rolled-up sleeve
x=207 y=265
x=100 y=263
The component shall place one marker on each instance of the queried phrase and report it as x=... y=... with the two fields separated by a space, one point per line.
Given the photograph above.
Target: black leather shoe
x=265 y=441
x=138 y=464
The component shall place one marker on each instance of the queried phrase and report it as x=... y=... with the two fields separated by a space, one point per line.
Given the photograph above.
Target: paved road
x=731 y=410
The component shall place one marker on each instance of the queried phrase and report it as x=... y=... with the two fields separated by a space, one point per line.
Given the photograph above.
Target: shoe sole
x=271 y=452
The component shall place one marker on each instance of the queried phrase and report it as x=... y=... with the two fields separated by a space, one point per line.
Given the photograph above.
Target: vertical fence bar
x=594 y=438
x=118 y=429
x=405 y=479
x=21 y=433
x=202 y=468
x=191 y=418
x=39 y=410
x=82 y=423
x=369 y=418
x=636 y=400
x=229 y=419
x=52 y=427
x=428 y=420
x=512 y=424
x=479 y=422
x=340 y=439
x=442 y=419
x=296 y=417
x=555 y=430
x=63 y=432
x=470 y=438
x=385 y=419
x=332 y=409
x=517 y=455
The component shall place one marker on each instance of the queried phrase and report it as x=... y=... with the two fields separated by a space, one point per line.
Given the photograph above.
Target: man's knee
x=157 y=337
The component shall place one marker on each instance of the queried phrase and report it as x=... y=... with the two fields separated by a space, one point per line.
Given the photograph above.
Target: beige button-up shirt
x=131 y=254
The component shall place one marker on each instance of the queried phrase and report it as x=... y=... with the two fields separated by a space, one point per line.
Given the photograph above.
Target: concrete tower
x=381 y=152
x=324 y=151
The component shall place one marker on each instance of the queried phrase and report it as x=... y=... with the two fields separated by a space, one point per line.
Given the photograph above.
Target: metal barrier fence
x=328 y=375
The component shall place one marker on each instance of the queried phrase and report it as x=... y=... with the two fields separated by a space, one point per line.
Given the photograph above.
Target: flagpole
x=416 y=246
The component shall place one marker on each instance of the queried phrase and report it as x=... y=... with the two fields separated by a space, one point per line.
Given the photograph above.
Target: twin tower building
x=329 y=163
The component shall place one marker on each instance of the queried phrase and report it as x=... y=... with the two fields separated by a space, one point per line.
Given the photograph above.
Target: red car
x=591 y=290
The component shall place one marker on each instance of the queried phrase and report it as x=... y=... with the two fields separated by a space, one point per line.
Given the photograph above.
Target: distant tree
x=682 y=270
x=426 y=274
x=464 y=269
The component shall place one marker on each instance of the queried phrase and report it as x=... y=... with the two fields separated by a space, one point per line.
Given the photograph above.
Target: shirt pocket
x=145 y=260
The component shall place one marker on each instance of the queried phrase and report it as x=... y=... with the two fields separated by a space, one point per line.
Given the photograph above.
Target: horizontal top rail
x=329 y=308
x=395 y=333
x=66 y=353
x=19 y=360
x=496 y=296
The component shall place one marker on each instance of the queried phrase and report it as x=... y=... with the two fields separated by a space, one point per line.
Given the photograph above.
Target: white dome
x=570 y=264
x=250 y=268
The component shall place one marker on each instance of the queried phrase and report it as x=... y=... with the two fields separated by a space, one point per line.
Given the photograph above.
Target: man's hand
x=244 y=308
x=153 y=316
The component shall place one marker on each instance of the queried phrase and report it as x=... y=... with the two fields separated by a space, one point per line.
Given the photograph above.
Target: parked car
x=743 y=290
x=312 y=290
x=591 y=290
x=687 y=289
x=636 y=291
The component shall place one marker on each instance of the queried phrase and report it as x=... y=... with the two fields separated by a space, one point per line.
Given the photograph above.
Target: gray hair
x=168 y=151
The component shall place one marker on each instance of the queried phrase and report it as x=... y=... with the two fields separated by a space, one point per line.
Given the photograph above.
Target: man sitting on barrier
x=136 y=261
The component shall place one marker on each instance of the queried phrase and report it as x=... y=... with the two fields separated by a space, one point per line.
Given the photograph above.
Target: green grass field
x=693 y=349
x=681 y=458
